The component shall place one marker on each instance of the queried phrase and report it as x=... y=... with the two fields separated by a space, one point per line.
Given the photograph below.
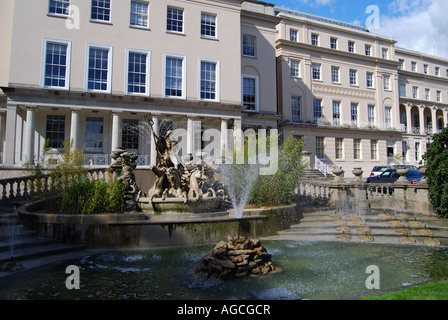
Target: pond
x=311 y=270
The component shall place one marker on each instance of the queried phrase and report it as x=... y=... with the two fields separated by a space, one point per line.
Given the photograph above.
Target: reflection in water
x=311 y=270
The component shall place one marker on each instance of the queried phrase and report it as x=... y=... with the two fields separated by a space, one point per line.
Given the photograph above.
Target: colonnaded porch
x=33 y=120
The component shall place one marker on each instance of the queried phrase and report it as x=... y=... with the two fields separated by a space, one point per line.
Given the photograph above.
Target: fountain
x=184 y=188
x=180 y=187
x=12 y=265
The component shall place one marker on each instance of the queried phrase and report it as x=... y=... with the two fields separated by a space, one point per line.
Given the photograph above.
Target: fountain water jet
x=12 y=265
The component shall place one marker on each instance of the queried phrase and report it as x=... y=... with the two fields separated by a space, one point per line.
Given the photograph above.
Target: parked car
x=391 y=175
x=377 y=170
x=411 y=167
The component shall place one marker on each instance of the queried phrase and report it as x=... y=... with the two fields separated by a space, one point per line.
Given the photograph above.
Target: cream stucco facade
x=91 y=71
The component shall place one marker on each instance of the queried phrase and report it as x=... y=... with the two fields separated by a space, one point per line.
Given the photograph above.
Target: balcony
x=360 y=125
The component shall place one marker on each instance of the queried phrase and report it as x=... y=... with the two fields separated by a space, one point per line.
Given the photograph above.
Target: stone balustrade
x=401 y=195
x=22 y=188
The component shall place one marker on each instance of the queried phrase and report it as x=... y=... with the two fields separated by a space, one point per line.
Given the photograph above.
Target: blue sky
x=419 y=25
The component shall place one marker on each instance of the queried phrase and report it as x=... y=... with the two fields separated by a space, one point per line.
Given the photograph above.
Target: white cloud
x=419 y=25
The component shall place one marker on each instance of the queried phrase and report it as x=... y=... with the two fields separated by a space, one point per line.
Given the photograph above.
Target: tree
x=278 y=189
x=437 y=172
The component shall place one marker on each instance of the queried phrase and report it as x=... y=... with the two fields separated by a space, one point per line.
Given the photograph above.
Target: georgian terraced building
x=92 y=70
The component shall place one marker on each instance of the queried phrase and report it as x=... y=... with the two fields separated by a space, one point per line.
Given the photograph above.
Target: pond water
x=311 y=270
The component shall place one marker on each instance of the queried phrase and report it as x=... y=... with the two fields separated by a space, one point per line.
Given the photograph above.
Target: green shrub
x=278 y=189
x=84 y=196
x=436 y=159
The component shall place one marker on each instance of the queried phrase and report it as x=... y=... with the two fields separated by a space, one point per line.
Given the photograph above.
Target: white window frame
x=62 y=2
x=335 y=74
x=351 y=46
x=385 y=53
x=257 y=92
x=295 y=68
x=101 y=20
x=318 y=71
x=336 y=112
x=254 y=46
x=333 y=43
x=109 y=67
x=368 y=50
x=354 y=113
x=184 y=74
x=357 y=149
x=183 y=20
x=215 y=26
x=148 y=68
x=68 y=64
x=415 y=92
x=373 y=149
x=131 y=13
x=370 y=80
x=371 y=114
x=388 y=117
x=315 y=39
x=386 y=82
x=427 y=94
x=293 y=35
x=217 y=78
x=353 y=77
x=402 y=90
x=296 y=108
x=338 y=140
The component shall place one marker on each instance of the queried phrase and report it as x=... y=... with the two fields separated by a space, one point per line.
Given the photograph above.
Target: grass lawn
x=430 y=291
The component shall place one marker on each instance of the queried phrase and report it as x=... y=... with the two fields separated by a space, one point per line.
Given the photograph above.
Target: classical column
x=29 y=135
x=434 y=119
x=238 y=140
x=421 y=112
x=116 y=131
x=10 y=136
x=74 y=128
x=408 y=108
x=155 y=127
x=445 y=118
x=2 y=115
x=224 y=138
x=190 y=135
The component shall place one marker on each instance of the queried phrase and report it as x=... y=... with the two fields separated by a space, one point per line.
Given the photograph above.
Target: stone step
x=379 y=239
x=22 y=254
x=399 y=232
x=24 y=243
x=387 y=228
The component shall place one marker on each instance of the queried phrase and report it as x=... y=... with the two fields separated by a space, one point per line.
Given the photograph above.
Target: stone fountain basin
x=179 y=205
x=143 y=230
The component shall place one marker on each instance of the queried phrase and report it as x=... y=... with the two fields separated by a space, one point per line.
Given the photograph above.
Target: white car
x=377 y=170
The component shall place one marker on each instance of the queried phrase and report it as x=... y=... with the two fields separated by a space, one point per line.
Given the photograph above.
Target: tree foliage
x=436 y=159
x=278 y=189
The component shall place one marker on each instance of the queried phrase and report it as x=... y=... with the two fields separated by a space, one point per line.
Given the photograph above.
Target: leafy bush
x=436 y=159
x=84 y=196
x=70 y=183
x=278 y=189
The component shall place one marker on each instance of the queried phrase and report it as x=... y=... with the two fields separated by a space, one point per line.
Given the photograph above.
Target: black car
x=391 y=175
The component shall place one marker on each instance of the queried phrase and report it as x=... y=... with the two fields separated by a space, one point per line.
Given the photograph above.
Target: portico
x=99 y=124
